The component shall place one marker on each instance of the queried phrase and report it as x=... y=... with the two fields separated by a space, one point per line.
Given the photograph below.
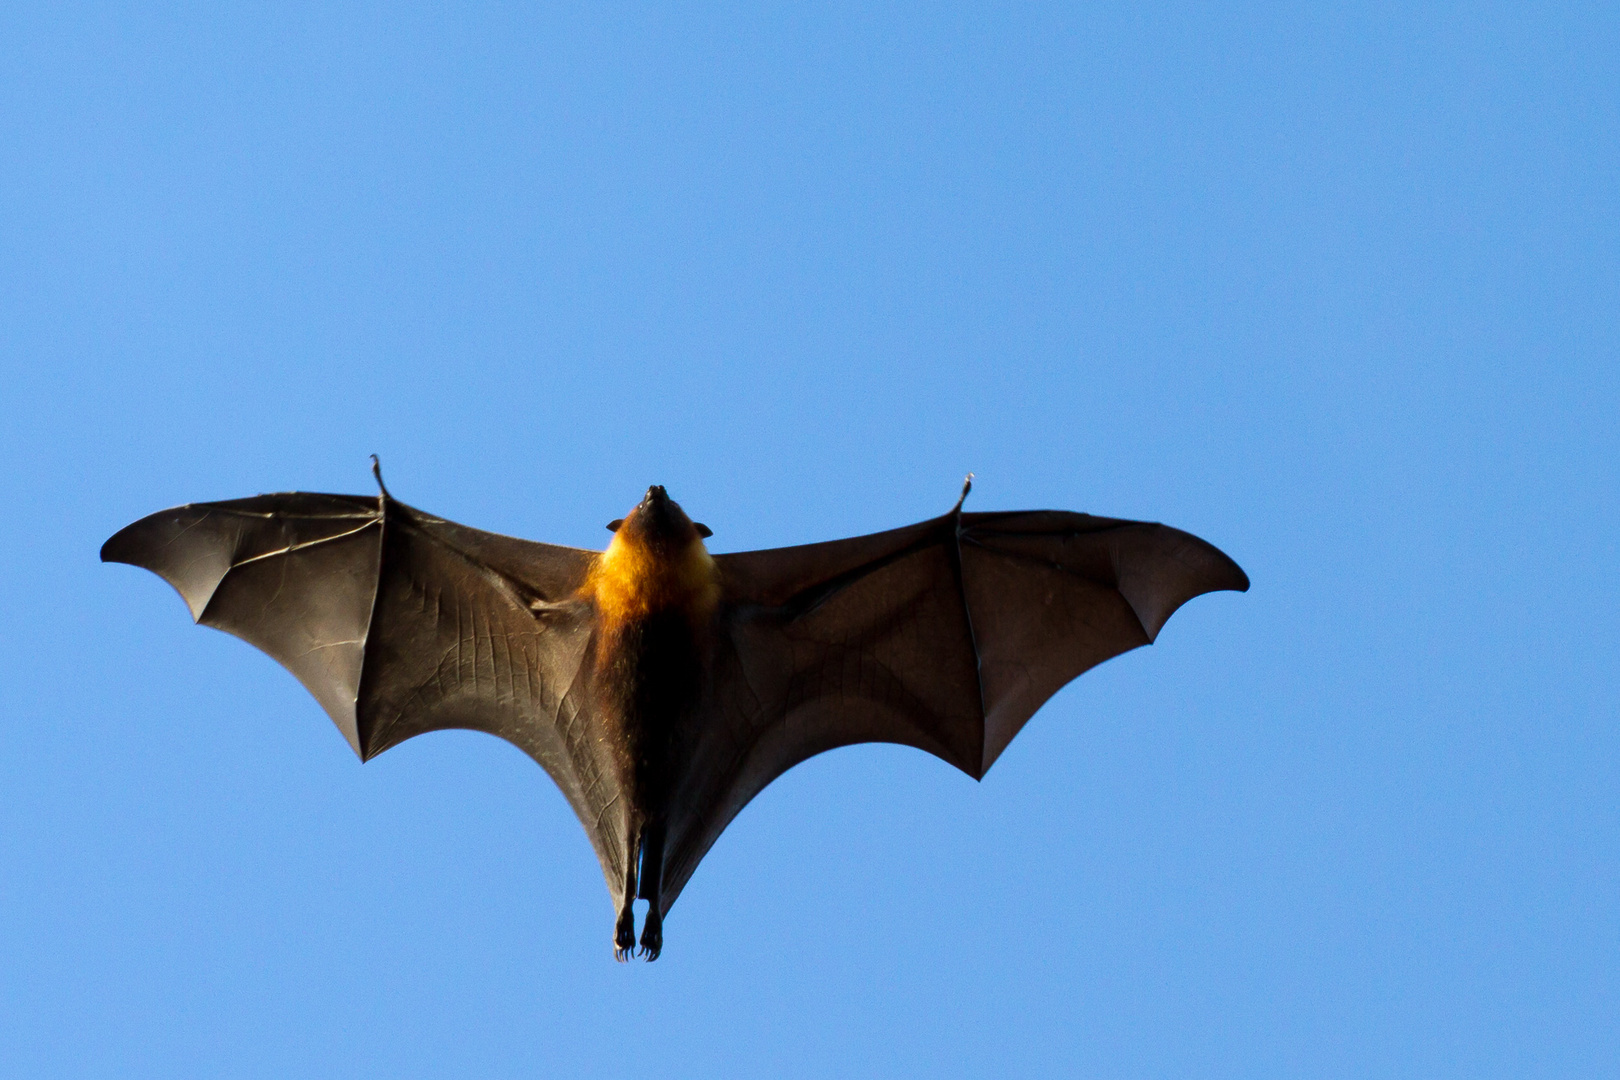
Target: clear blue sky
x=1336 y=288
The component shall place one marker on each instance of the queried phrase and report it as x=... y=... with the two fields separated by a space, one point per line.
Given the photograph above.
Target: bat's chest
x=651 y=664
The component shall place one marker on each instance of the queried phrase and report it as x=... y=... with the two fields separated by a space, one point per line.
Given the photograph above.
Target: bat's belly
x=650 y=679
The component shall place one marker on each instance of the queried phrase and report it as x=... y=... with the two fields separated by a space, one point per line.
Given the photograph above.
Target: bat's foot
x=624 y=934
x=652 y=934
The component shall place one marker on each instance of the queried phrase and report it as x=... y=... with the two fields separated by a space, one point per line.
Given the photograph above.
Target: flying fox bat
x=660 y=686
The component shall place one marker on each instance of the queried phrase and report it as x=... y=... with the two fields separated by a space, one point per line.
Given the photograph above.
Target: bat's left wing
x=400 y=623
x=946 y=635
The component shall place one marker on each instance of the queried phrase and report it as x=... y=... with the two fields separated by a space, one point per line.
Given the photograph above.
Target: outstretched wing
x=946 y=635
x=399 y=623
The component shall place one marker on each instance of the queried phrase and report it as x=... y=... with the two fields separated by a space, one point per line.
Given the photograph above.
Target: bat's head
x=659 y=522
x=656 y=561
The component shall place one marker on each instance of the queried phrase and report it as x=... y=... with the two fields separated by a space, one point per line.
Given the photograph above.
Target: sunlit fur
x=632 y=579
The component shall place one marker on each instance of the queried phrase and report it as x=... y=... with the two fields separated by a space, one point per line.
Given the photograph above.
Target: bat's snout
x=659 y=515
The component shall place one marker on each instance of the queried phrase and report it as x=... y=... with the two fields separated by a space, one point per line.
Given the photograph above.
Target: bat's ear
x=613 y=526
x=703 y=530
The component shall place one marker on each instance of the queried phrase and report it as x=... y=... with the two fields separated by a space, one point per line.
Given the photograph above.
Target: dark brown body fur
x=655 y=592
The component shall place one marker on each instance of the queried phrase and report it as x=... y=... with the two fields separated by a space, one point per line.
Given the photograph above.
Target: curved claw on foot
x=624 y=935
x=652 y=936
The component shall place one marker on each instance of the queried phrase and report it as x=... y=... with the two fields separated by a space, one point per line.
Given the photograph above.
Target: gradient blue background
x=1335 y=288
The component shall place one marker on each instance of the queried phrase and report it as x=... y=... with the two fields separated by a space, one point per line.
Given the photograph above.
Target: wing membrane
x=946 y=635
x=400 y=623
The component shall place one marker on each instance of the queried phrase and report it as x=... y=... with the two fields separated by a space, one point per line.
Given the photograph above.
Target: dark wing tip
x=1206 y=568
x=149 y=545
x=1235 y=580
x=1169 y=569
x=127 y=546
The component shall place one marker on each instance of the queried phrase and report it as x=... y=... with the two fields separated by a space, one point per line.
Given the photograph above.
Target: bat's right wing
x=400 y=623
x=946 y=635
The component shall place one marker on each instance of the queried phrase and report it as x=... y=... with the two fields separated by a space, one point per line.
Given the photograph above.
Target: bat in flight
x=660 y=686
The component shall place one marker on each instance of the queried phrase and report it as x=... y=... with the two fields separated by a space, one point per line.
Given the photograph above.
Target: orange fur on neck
x=630 y=580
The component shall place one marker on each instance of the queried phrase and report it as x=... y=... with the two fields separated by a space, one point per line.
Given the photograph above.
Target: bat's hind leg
x=624 y=930
x=652 y=884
